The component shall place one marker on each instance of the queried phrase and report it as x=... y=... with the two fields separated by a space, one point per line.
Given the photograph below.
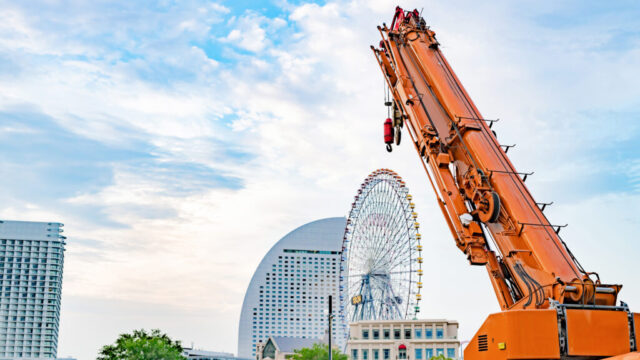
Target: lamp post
x=330 y=316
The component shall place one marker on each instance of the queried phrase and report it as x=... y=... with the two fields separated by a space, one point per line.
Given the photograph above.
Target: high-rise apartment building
x=288 y=294
x=31 y=261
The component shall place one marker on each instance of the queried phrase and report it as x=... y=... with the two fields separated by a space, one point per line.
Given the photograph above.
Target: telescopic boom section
x=480 y=192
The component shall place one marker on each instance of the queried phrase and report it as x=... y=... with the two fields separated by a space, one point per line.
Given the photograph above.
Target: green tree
x=439 y=357
x=142 y=345
x=317 y=352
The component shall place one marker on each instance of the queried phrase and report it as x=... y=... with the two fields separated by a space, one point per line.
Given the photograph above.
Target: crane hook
x=388 y=133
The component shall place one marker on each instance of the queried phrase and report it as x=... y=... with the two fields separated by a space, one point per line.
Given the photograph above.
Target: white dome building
x=288 y=293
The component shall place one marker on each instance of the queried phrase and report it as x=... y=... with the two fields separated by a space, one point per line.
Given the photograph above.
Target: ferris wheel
x=381 y=263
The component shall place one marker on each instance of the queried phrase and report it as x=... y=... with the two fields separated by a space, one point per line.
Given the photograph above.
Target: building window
x=396 y=334
x=365 y=335
x=365 y=354
x=407 y=333
x=418 y=333
x=418 y=354
x=429 y=333
x=439 y=351
x=376 y=354
x=385 y=353
x=451 y=353
x=428 y=353
x=439 y=333
x=386 y=333
x=354 y=354
x=376 y=334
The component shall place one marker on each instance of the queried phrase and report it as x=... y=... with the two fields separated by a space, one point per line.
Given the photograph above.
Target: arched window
x=402 y=351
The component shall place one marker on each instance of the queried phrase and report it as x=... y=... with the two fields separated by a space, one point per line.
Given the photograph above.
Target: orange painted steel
x=587 y=340
x=533 y=334
x=492 y=216
x=636 y=318
x=629 y=356
x=525 y=334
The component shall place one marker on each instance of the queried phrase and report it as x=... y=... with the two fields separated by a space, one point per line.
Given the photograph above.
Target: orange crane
x=552 y=308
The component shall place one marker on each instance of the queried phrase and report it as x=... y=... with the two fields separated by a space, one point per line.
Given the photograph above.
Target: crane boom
x=491 y=213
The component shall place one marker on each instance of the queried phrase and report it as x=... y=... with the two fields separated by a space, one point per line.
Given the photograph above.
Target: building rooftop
x=405 y=321
x=197 y=354
x=189 y=352
x=289 y=344
x=31 y=230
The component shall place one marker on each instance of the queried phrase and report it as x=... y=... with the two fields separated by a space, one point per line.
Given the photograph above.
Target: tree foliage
x=440 y=357
x=141 y=345
x=317 y=352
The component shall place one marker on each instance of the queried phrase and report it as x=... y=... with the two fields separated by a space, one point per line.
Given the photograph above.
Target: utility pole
x=330 y=317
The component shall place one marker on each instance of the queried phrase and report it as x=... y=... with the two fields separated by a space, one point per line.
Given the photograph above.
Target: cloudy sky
x=178 y=140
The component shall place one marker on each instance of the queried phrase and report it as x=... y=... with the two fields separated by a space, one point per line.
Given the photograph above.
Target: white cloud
x=633 y=170
x=307 y=109
x=251 y=38
x=251 y=31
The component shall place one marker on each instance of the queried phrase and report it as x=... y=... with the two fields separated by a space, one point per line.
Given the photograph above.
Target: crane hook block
x=388 y=133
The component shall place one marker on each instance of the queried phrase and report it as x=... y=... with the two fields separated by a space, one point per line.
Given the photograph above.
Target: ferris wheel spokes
x=380 y=270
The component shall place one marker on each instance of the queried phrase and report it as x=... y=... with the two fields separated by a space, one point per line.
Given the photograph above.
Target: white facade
x=288 y=293
x=31 y=262
x=419 y=339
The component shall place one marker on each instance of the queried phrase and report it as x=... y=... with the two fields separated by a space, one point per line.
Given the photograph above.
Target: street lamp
x=330 y=318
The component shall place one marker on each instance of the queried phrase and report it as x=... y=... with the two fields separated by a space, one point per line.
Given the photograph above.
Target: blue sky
x=177 y=141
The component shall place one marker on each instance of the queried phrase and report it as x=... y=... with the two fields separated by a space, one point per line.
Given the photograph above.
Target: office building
x=31 y=262
x=403 y=339
x=288 y=293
